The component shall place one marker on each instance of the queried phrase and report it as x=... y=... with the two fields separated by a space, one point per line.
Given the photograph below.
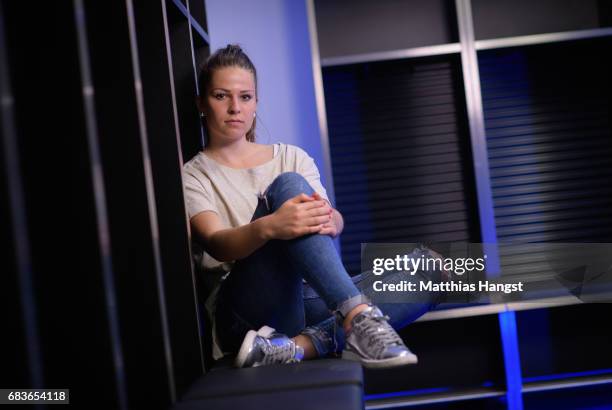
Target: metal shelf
x=468 y=311
x=567 y=383
x=459 y=395
x=542 y=38
x=483 y=393
x=453 y=48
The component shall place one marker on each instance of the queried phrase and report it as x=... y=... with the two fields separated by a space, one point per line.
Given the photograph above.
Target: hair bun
x=233 y=49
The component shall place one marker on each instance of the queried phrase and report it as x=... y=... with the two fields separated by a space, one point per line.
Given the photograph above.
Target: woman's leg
x=329 y=338
x=266 y=287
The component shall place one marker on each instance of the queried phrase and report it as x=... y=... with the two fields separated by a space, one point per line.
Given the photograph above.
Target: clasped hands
x=303 y=215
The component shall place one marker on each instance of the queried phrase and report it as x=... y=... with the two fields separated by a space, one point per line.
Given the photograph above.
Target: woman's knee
x=287 y=185
x=289 y=179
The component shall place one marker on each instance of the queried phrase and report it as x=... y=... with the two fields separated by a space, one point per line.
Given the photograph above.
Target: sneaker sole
x=245 y=348
x=381 y=364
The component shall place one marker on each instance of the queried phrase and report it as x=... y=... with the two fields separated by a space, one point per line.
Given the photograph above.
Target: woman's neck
x=232 y=152
x=240 y=154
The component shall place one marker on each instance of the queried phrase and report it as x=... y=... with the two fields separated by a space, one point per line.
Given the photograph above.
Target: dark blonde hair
x=230 y=56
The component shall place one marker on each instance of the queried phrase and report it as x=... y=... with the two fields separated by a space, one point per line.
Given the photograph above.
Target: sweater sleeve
x=198 y=193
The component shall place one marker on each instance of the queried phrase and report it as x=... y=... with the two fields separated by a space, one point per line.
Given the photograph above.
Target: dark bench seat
x=323 y=384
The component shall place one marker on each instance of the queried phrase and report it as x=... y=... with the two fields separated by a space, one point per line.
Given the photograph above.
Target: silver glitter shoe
x=374 y=343
x=267 y=347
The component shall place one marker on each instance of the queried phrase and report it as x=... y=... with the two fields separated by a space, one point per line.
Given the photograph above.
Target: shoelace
x=379 y=333
x=282 y=353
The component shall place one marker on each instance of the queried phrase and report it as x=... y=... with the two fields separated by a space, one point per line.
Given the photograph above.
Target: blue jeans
x=267 y=287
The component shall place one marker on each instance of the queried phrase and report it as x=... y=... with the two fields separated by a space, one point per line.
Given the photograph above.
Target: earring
x=254 y=114
x=202 y=115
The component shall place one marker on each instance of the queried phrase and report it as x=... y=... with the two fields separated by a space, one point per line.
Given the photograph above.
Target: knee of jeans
x=290 y=178
x=289 y=184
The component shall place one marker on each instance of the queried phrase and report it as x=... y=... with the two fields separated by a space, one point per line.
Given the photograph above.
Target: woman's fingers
x=316 y=229
x=313 y=204
x=325 y=230
x=318 y=220
x=303 y=198
x=317 y=208
x=318 y=212
x=310 y=230
x=329 y=229
x=302 y=215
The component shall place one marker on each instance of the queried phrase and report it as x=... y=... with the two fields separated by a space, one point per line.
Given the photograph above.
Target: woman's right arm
x=301 y=215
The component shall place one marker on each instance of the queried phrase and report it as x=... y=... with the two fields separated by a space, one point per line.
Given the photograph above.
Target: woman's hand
x=299 y=216
x=335 y=224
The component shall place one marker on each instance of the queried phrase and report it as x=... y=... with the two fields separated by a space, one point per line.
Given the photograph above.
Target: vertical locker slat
x=163 y=141
x=99 y=199
x=52 y=147
x=129 y=205
x=22 y=358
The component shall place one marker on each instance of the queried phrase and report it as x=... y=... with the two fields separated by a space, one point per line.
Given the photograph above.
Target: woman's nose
x=234 y=106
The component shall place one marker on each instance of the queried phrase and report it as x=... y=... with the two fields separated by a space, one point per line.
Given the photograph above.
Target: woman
x=261 y=213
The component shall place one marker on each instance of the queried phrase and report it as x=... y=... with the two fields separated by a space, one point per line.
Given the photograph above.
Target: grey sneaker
x=266 y=346
x=374 y=343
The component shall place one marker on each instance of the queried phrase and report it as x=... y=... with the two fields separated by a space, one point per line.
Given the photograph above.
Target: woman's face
x=230 y=104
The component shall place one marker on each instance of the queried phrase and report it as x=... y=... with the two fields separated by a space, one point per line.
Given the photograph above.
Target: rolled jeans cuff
x=321 y=340
x=345 y=307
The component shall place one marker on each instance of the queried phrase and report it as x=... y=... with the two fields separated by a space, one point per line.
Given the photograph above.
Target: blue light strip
x=192 y=21
x=507 y=324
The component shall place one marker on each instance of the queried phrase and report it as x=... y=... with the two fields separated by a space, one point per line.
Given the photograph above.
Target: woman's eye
x=246 y=97
x=219 y=96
